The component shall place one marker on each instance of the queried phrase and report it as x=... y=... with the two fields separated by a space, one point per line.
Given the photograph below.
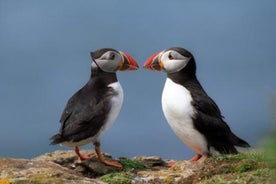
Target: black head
x=172 y=60
x=111 y=60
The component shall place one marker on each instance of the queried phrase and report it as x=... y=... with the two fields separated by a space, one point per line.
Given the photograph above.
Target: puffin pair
x=192 y=114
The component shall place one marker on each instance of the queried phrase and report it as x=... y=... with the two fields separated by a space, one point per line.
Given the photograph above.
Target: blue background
x=44 y=59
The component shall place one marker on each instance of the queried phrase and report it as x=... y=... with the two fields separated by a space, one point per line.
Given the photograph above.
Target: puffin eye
x=170 y=56
x=112 y=56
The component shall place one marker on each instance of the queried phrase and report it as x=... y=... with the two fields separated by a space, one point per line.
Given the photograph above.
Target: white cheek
x=108 y=66
x=172 y=66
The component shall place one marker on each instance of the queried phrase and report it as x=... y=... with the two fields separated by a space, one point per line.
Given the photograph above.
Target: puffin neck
x=98 y=73
x=185 y=75
x=181 y=76
x=188 y=80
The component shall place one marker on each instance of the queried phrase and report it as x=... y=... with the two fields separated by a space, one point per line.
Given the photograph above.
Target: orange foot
x=82 y=157
x=113 y=163
x=171 y=163
x=195 y=158
x=85 y=157
x=102 y=159
x=204 y=158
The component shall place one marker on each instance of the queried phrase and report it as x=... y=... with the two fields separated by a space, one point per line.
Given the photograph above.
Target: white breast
x=178 y=110
x=116 y=105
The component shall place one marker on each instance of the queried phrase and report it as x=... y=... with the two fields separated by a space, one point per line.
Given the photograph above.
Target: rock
x=93 y=168
x=63 y=167
x=150 y=161
x=181 y=172
x=56 y=167
x=89 y=168
x=23 y=171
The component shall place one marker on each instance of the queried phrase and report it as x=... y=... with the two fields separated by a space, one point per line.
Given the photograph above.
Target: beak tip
x=133 y=67
x=146 y=66
x=130 y=62
x=151 y=63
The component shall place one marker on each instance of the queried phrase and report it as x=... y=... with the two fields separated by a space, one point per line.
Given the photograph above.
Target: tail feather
x=238 y=141
x=228 y=146
x=56 y=139
x=225 y=148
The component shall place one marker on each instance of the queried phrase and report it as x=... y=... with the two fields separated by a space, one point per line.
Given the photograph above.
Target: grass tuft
x=123 y=177
x=131 y=165
x=117 y=178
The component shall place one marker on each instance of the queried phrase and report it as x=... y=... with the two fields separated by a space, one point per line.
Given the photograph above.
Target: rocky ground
x=63 y=167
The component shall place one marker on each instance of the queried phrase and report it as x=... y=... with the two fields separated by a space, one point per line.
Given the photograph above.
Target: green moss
x=170 y=180
x=270 y=149
x=245 y=167
x=265 y=176
x=240 y=168
x=117 y=178
x=241 y=156
x=270 y=141
x=124 y=177
x=44 y=179
x=131 y=165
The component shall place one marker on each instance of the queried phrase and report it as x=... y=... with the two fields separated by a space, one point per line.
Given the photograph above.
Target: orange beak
x=152 y=63
x=128 y=63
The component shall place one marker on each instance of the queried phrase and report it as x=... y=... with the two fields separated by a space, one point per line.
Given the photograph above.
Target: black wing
x=210 y=123
x=84 y=114
x=208 y=119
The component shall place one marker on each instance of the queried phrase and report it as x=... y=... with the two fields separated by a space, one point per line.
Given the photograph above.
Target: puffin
x=92 y=110
x=193 y=116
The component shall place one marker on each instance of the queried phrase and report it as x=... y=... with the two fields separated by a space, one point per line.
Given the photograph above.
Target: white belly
x=178 y=110
x=116 y=105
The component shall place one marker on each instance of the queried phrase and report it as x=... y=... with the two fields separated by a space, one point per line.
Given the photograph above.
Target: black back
x=86 y=111
x=208 y=119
